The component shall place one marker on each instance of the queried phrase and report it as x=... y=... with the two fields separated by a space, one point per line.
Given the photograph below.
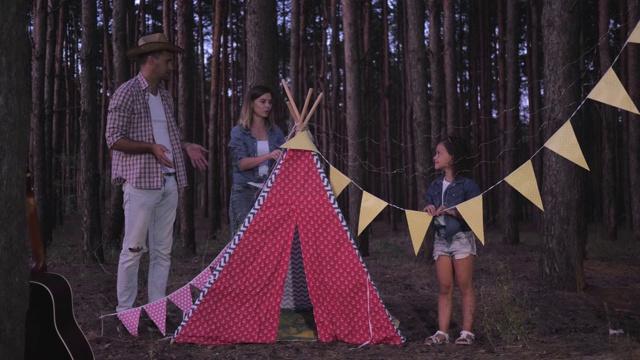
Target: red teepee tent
x=242 y=300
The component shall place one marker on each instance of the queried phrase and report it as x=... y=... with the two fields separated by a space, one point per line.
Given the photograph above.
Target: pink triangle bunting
x=182 y=298
x=130 y=319
x=201 y=280
x=157 y=311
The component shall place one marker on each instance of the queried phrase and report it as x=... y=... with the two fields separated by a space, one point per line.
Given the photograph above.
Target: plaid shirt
x=129 y=116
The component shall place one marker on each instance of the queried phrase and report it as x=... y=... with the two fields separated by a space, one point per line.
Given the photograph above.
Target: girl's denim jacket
x=460 y=190
x=242 y=144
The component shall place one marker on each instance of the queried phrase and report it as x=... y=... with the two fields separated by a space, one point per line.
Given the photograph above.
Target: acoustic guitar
x=52 y=330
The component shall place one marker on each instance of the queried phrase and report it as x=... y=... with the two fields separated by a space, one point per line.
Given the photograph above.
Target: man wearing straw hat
x=147 y=160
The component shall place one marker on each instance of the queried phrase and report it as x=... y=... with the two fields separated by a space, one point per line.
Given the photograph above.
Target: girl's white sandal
x=435 y=340
x=466 y=338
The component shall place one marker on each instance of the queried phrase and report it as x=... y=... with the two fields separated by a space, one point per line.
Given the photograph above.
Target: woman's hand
x=275 y=154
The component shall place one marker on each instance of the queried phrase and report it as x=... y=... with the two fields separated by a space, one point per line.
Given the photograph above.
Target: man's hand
x=197 y=155
x=159 y=151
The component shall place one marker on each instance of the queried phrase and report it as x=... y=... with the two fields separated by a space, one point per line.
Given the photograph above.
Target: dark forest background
x=396 y=76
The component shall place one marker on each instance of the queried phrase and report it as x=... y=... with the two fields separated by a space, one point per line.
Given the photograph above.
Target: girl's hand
x=440 y=210
x=430 y=209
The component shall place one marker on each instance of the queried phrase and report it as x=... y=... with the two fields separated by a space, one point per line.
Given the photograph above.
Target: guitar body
x=52 y=331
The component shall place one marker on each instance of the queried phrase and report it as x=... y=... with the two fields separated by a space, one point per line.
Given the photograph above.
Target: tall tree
x=534 y=94
x=450 y=77
x=509 y=206
x=14 y=98
x=417 y=62
x=294 y=51
x=564 y=229
x=89 y=174
x=37 y=142
x=633 y=150
x=350 y=15
x=437 y=71
x=608 y=122
x=261 y=35
x=186 y=65
x=214 y=121
x=114 y=217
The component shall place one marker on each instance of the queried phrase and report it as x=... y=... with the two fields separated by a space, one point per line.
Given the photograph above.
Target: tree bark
x=89 y=174
x=215 y=122
x=633 y=149
x=534 y=92
x=261 y=36
x=354 y=122
x=114 y=219
x=450 y=78
x=294 y=53
x=510 y=204
x=417 y=62
x=437 y=71
x=14 y=140
x=38 y=147
x=185 y=117
x=609 y=117
x=564 y=231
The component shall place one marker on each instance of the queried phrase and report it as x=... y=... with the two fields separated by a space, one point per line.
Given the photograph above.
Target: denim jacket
x=460 y=190
x=243 y=144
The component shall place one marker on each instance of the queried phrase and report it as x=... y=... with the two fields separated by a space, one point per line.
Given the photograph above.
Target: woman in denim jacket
x=454 y=242
x=254 y=148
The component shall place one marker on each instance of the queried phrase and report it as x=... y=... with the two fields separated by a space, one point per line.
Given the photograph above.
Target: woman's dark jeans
x=243 y=196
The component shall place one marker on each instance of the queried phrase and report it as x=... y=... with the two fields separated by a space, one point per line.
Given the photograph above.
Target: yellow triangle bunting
x=418 y=222
x=338 y=181
x=524 y=180
x=302 y=141
x=635 y=35
x=609 y=90
x=564 y=143
x=471 y=211
x=370 y=207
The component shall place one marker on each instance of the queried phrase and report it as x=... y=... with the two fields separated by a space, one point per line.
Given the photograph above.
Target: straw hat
x=151 y=43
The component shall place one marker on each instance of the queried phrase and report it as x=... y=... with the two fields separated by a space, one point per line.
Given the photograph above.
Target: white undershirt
x=263 y=169
x=263 y=149
x=160 y=127
x=445 y=185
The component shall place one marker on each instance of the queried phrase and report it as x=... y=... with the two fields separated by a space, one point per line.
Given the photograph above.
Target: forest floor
x=517 y=316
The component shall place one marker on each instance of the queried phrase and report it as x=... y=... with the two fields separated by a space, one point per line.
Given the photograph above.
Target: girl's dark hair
x=462 y=161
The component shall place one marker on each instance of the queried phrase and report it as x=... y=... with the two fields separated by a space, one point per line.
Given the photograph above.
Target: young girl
x=454 y=249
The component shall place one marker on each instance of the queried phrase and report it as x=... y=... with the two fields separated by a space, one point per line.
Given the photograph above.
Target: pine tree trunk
x=37 y=141
x=417 y=62
x=534 y=92
x=114 y=218
x=608 y=124
x=294 y=53
x=436 y=71
x=634 y=126
x=510 y=204
x=185 y=118
x=14 y=133
x=215 y=123
x=56 y=131
x=354 y=122
x=450 y=79
x=261 y=36
x=89 y=174
x=564 y=231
